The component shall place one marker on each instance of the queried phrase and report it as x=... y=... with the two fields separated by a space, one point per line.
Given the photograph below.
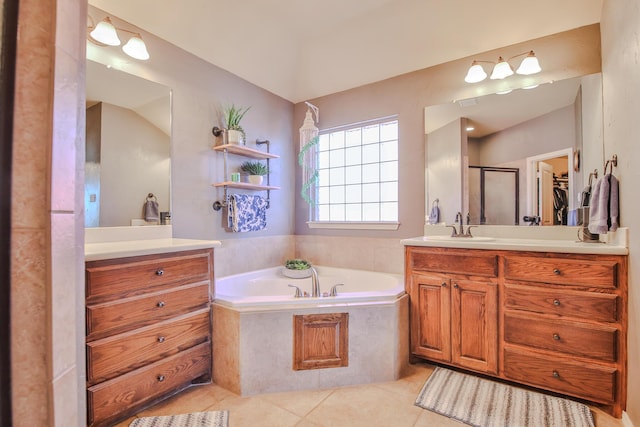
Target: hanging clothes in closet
x=560 y=200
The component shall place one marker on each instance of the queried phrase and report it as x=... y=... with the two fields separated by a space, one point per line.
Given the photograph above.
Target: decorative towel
x=603 y=212
x=151 y=209
x=246 y=212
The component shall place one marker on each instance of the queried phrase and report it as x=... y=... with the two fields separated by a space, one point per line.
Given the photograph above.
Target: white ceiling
x=302 y=49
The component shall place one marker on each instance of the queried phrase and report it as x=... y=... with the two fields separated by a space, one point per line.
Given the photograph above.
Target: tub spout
x=315 y=284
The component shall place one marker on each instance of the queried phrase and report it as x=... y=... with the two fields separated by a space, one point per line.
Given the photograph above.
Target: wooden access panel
x=320 y=341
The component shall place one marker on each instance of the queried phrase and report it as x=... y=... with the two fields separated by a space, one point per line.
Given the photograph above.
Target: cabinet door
x=430 y=316
x=474 y=325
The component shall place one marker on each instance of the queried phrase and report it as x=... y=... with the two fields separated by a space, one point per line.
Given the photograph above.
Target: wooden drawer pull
x=160 y=378
x=556 y=302
x=556 y=337
x=556 y=271
x=160 y=339
x=160 y=304
x=556 y=374
x=159 y=272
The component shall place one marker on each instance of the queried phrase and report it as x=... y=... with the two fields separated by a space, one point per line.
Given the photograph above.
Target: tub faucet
x=315 y=283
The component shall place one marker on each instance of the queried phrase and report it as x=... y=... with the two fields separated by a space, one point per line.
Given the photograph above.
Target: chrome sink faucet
x=460 y=232
x=315 y=283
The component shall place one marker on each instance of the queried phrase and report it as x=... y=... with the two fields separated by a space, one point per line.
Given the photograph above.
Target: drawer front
x=116 y=355
x=571 y=338
x=131 y=313
x=592 y=382
x=580 y=305
x=112 y=399
x=113 y=279
x=468 y=263
x=563 y=271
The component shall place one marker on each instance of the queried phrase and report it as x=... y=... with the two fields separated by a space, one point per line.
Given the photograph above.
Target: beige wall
x=47 y=289
x=621 y=85
x=408 y=94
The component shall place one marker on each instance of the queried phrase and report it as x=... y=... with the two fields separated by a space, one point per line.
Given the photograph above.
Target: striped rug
x=194 y=419
x=484 y=403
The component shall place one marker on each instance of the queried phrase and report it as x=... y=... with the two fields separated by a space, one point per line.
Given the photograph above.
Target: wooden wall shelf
x=243 y=150
x=245 y=186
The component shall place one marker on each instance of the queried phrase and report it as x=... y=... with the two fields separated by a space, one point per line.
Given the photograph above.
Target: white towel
x=246 y=212
x=603 y=211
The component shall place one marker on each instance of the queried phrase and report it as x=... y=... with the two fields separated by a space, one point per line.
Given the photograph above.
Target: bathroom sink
x=459 y=239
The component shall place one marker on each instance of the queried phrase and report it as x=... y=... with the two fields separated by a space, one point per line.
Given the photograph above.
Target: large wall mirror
x=128 y=153
x=488 y=156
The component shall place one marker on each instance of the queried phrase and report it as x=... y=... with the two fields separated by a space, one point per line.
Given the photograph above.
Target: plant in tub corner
x=297 y=264
x=256 y=171
x=297 y=268
x=232 y=116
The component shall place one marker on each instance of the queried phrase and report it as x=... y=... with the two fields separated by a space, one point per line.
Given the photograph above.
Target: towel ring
x=435 y=203
x=613 y=162
x=151 y=197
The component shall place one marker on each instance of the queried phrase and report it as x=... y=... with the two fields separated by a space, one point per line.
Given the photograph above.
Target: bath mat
x=194 y=419
x=485 y=403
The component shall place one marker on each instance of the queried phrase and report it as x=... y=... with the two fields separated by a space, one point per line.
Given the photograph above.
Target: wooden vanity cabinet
x=564 y=325
x=148 y=330
x=548 y=320
x=454 y=315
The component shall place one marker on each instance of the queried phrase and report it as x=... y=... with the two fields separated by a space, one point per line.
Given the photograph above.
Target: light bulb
x=529 y=65
x=136 y=48
x=501 y=70
x=105 y=33
x=475 y=74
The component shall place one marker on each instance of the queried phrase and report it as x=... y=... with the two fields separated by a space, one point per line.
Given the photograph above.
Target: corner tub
x=253 y=329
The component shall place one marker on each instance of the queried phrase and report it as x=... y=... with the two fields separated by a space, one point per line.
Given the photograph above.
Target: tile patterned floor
x=372 y=405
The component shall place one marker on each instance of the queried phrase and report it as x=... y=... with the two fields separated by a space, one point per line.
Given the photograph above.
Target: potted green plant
x=255 y=170
x=297 y=268
x=232 y=116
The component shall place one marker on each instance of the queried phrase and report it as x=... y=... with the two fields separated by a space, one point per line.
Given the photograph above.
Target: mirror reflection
x=128 y=146
x=516 y=158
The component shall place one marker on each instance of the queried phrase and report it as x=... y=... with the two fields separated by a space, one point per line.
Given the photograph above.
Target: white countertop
x=119 y=242
x=127 y=248
x=524 y=239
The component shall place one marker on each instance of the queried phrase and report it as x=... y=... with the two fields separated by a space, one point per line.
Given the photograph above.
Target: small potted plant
x=297 y=268
x=255 y=170
x=232 y=116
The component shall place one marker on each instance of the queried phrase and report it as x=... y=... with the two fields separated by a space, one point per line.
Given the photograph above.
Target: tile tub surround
x=253 y=351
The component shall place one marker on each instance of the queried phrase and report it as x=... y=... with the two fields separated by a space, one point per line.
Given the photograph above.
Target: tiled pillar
x=47 y=226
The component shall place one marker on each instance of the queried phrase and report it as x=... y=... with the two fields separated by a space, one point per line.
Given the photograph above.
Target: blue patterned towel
x=246 y=212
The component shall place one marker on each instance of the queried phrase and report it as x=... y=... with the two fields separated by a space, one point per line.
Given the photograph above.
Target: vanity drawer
x=564 y=271
x=131 y=313
x=118 y=354
x=111 y=399
x=137 y=275
x=588 y=381
x=453 y=261
x=562 y=302
x=572 y=338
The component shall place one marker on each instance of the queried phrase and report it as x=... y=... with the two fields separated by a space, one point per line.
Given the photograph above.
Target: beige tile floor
x=372 y=405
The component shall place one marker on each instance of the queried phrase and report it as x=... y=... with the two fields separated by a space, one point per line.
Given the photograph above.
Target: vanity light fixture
x=502 y=69
x=106 y=34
